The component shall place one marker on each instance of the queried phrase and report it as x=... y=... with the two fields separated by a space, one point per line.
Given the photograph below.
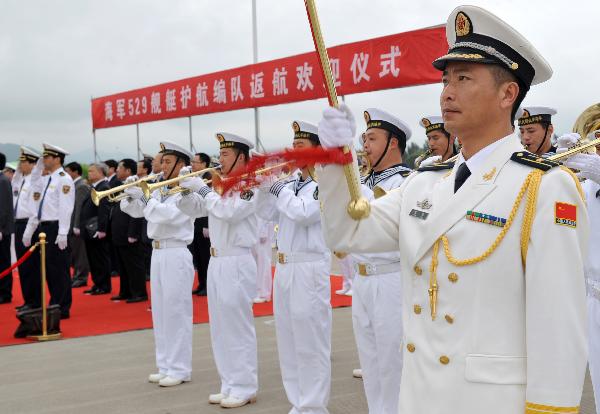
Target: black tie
x=461 y=176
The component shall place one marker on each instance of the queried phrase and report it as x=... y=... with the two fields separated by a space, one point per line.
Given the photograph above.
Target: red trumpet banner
x=393 y=61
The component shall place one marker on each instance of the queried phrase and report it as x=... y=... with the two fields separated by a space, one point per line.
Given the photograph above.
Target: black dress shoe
x=201 y=292
x=137 y=299
x=78 y=283
x=5 y=300
x=90 y=291
x=65 y=315
x=100 y=292
x=119 y=297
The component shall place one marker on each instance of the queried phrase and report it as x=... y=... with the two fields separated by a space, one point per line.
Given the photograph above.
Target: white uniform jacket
x=509 y=335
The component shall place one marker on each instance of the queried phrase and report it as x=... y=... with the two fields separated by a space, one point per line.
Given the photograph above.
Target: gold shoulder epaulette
x=405 y=173
x=437 y=167
x=533 y=160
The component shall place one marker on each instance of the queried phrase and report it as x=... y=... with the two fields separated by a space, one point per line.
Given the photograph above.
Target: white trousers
x=231 y=286
x=262 y=253
x=377 y=321
x=347 y=270
x=594 y=351
x=302 y=307
x=171 y=284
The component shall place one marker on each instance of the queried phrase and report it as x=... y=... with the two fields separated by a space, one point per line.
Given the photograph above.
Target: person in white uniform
x=53 y=217
x=172 y=269
x=377 y=287
x=231 y=284
x=263 y=253
x=26 y=196
x=302 y=290
x=503 y=327
x=588 y=166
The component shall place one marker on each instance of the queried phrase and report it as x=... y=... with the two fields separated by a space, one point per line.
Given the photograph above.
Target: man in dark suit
x=7 y=223
x=93 y=223
x=79 y=259
x=200 y=247
x=113 y=181
x=126 y=238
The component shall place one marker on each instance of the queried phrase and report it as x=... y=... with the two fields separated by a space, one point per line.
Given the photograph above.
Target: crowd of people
x=457 y=306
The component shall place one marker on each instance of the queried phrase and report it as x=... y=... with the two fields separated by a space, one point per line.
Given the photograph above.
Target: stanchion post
x=44 y=336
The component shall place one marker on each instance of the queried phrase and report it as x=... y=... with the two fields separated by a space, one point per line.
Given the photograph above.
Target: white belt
x=168 y=244
x=284 y=258
x=371 y=269
x=229 y=251
x=593 y=289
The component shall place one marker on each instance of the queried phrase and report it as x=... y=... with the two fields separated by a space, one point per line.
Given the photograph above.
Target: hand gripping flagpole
x=359 y=206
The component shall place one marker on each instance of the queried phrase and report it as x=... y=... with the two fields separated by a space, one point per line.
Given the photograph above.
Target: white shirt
x=475 y=162
x=57 y=199
x=165 y=220
x=295 y=206
x=232 y=221
x=26 y=197
x=592 y=265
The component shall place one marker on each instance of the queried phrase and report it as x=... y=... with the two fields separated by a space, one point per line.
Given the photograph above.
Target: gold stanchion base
x=44 y=338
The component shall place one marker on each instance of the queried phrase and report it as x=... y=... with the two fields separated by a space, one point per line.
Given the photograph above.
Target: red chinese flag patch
x=565 y=214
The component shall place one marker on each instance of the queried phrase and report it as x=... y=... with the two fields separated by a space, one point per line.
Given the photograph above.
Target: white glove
x=194 y=184
x=430 y=161
x=37 y=171
x=76 y=231
x=134 y=192
x=587 y=164
x=265 y=182
x=131 y=240
x=566 y=141
x=185 y=170
x=205 y=232
x=337 y=128
x=32 y=224
x=131 y=179
x=99 y=235
x=61 y=240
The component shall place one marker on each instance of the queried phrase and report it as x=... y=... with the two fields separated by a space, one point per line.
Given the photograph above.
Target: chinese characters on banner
x=394 y=61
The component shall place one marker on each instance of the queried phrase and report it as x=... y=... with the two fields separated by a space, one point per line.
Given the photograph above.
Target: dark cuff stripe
x=276 y=188
x=204 y=191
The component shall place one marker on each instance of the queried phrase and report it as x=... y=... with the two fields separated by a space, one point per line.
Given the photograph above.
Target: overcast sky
x=57 y=54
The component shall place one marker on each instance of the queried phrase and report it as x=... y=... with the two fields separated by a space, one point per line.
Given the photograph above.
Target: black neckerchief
x=299 y=183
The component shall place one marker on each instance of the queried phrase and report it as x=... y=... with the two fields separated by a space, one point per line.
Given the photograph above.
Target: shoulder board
x=62 y=173
x=405 y=173
x=533 y=160
x=437 y=167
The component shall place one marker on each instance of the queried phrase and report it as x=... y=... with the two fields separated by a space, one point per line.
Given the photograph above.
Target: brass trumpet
x=116 y=194
x=587 y=126
x=148 y=189
x=422 y=157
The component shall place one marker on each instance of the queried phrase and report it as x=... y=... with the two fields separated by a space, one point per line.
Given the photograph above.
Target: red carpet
x=97 y=315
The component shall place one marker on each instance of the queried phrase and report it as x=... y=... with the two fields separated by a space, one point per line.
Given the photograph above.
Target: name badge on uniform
x=418 y=214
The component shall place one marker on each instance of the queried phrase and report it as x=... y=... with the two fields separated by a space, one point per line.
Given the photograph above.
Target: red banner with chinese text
x=394 y=61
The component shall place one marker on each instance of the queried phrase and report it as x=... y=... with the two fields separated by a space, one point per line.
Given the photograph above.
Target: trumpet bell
x=588 y=121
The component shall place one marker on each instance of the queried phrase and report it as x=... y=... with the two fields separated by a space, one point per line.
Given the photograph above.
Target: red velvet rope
x=20 y=261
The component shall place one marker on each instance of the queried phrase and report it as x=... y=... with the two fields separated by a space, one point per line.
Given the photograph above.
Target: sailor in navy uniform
x=536 y=129
x=377 y=287
x=501 y=327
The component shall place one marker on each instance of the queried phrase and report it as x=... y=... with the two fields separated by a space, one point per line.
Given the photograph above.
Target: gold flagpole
x=44 y=336
x=359 y=206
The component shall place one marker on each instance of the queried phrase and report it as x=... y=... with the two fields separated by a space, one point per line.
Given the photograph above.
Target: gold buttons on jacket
x=417 y=309
x=418 y=270
x=453 y=277
x=410 y=347
x=444 y=359
x=449 y=319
